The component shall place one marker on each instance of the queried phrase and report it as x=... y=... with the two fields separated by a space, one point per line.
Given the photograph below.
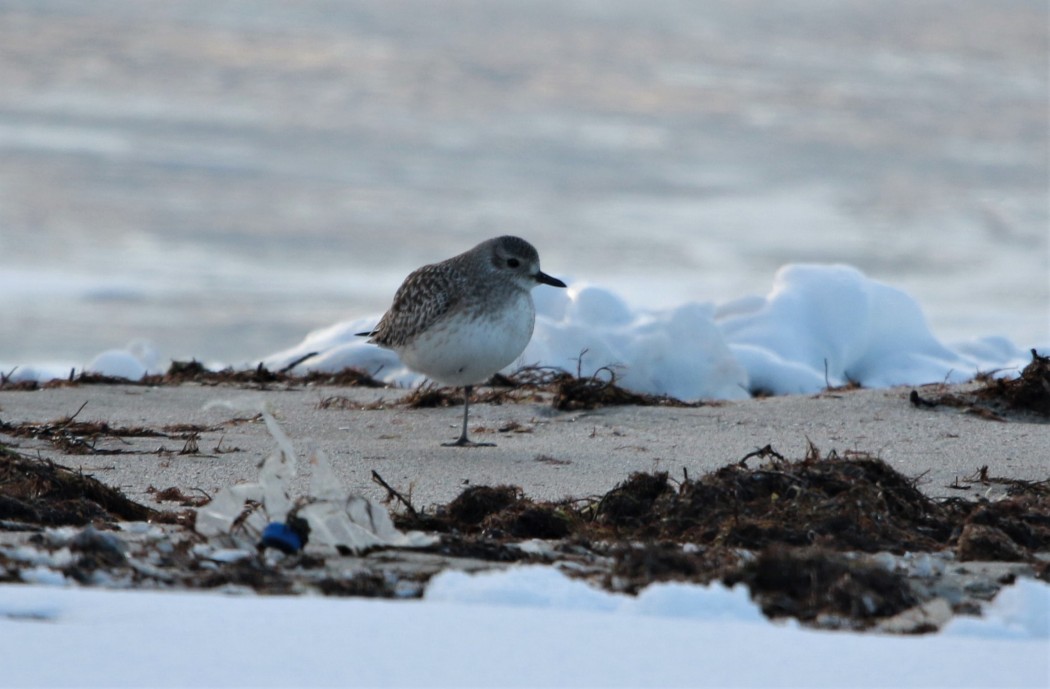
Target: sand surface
x=550 y=454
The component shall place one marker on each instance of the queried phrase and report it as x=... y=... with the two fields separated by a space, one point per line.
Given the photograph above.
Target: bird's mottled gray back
x=475 y=279
x=425 y=296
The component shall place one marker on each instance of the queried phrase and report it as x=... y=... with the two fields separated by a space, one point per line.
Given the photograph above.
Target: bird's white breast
x=465 y=348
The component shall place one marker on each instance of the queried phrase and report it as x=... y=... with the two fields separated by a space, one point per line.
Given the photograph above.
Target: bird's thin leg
x=464 y=441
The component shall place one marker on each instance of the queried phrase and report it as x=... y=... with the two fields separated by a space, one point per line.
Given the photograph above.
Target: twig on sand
x=394 y=494
x=69 y=419
x=296 y=362
x=761 y=453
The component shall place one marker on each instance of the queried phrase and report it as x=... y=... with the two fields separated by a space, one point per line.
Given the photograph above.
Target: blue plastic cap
x=278 y=535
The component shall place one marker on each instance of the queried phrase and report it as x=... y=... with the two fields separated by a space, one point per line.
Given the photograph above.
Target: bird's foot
x=464 y=441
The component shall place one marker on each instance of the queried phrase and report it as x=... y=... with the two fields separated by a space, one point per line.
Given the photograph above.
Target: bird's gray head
x=518 y=260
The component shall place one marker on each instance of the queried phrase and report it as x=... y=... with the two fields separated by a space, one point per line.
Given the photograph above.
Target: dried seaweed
x=427 y=396
x=1028 y=395
x=530 y=383
x=811 y=583
x=1028 y=392
x=635 y=566
x=175 y=494
x=181 y=372
x=73 y=437
x=361 y=585
x=40 y=492
x=476 y=503
x=601 y=390
x=854 y=503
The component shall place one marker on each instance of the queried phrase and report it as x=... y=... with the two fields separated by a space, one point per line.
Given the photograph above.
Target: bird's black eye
x=513 y=263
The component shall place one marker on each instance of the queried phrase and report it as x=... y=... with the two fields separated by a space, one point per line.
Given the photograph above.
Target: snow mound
x=134 y=362
x=831 y=324
x=540 y=586
x=819 y=325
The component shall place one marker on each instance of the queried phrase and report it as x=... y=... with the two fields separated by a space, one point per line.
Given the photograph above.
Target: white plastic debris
x=337 y=519
x=229 y=555
x=217 y=517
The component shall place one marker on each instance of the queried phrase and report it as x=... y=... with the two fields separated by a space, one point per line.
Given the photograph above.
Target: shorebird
x=461 y=320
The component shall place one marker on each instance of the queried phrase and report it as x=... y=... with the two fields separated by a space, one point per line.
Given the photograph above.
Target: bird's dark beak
x=548 y=280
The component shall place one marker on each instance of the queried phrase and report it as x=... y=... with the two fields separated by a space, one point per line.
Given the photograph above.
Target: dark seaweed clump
x=1028 y=392
x=41 y=493
x=835 y=504
x=1026 y=397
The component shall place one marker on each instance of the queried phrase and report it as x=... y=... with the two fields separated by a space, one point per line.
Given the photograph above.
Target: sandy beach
x=210 y=437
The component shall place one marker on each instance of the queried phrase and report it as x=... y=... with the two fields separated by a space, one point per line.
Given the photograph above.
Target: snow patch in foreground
x=546 y=587
x=496 y=629
x=1020 y=611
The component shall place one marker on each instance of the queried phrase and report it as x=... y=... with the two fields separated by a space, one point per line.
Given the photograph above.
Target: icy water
x=222 y=177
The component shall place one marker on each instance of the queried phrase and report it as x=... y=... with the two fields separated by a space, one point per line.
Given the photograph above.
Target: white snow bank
x=819 y=325
x=831 y=324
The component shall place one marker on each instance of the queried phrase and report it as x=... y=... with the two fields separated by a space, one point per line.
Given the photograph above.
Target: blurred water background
x=223 y=176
